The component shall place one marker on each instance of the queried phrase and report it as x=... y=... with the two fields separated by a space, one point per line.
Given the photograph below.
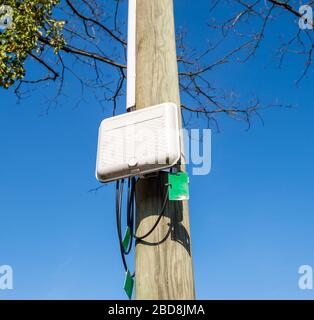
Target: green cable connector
x=178 y=186
x=128 y=284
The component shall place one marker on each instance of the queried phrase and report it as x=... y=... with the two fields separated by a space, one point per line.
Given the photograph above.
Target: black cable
x=119 y=193
x=131 y=216
x=160 y=215
x=132 y=205
x=129 y=203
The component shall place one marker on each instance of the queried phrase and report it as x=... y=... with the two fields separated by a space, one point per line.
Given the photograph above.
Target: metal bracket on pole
x=131 y=57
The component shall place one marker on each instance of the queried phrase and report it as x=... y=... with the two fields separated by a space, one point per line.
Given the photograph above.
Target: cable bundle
x=131 y=205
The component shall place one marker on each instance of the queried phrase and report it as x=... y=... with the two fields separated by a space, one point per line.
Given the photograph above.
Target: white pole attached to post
x=131 y=57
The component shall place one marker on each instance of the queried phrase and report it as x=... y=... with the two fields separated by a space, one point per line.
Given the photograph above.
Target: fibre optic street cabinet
x=138 y=143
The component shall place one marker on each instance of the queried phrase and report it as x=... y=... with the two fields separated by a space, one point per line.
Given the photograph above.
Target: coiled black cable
x=160 y=215
x=131 y=216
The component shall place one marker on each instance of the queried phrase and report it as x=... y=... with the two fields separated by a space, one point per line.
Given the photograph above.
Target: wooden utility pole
x=163 y=260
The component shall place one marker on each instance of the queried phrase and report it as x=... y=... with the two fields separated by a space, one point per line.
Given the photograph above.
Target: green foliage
x=32 y=19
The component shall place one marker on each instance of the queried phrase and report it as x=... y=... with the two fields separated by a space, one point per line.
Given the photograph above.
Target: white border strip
x=131 y=56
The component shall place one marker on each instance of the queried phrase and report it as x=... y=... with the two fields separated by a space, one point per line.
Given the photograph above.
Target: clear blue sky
x=252 y=218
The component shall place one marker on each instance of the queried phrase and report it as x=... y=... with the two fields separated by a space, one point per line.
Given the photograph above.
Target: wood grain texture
x=164 y=260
